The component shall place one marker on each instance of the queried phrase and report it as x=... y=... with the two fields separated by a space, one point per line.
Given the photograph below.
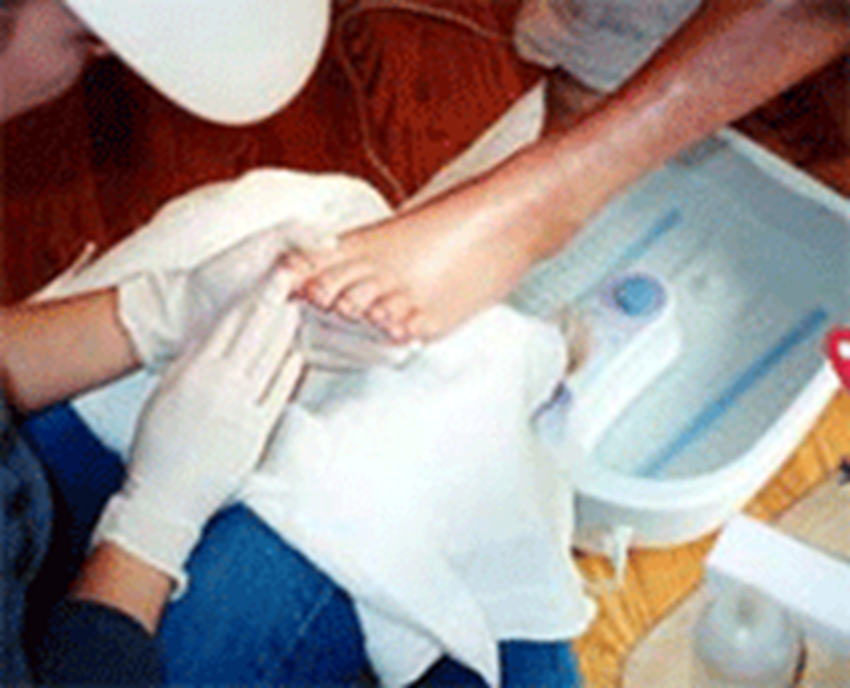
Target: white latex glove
x=163 y=310
x=205 y=429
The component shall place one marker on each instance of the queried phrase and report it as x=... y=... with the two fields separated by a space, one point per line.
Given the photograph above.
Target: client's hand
x=162 y=311
x=205 y=429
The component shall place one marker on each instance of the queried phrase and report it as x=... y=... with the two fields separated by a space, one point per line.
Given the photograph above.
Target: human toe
x=324 y=288
x=360 y=296
x=391 y=314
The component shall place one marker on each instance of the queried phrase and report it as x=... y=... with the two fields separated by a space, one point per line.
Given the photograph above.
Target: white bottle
x=744 y=640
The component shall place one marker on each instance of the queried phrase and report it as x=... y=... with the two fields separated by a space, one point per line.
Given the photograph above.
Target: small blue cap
x=639 y=295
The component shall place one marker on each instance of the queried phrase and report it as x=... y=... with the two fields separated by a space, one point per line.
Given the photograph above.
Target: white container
x=744 y=640
x=758 y=258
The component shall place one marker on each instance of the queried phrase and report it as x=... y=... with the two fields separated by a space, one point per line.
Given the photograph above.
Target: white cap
x=230 y=61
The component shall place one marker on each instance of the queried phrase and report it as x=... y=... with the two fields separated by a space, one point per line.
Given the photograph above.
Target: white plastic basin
x=758 y=258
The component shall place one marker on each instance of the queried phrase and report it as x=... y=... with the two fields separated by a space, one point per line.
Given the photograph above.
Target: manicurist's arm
x=115 y=578
x=103 y=633
x=50 y=350
x=193 y=449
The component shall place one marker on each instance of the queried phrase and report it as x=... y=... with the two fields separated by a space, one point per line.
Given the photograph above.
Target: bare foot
x=416 y=276
x=421 y=273
x=349 y=284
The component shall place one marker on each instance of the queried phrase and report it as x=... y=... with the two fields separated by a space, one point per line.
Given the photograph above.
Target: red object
x=838 y=350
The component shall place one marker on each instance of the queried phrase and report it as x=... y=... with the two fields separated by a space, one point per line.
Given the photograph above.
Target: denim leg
x=25 y=522
x=258 y=612
x=524 y=665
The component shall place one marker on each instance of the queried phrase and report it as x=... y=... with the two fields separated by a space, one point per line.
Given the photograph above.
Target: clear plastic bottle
x=744 y=640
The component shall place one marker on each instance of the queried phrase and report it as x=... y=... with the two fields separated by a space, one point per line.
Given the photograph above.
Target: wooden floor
x=801 y=127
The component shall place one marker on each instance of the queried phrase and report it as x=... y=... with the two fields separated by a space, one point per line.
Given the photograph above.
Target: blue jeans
x=256 y=611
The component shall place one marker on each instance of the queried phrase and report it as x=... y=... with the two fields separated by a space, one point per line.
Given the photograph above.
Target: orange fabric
x=97 y=164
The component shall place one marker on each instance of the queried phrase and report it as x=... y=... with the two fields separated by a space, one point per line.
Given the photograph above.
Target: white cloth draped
x=424 y=491
x=421 y=489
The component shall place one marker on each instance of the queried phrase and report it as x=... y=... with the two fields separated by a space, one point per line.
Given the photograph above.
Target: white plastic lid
x=229 y=61
x=744 y=639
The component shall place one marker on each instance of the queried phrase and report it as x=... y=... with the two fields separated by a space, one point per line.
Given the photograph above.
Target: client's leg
x=469 y=248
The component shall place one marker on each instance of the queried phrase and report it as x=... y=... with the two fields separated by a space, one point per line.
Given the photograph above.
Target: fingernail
x=297 y=263
x=318 y=295
x=415 y=326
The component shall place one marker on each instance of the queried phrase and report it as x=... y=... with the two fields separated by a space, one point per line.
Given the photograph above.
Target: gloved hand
x=205 y=429
x=161 y=311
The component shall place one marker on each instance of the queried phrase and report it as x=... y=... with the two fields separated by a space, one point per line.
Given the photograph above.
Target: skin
x=423 y=272
x=45 y=57
x=81 y=337
x=114 y=578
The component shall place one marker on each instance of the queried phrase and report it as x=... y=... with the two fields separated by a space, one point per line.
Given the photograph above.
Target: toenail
x=319 y=294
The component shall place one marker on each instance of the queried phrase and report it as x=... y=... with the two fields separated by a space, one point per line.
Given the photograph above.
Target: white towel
x=195 y=227
x=425 y=493
x=421 y=490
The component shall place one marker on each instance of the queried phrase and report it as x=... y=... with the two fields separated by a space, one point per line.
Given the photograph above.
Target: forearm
x=50 y=351
x=730 y=59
